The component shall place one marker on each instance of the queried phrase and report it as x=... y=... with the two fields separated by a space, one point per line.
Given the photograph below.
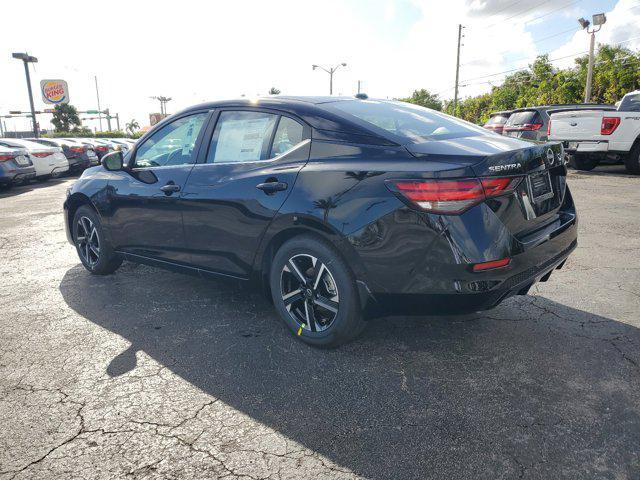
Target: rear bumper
x=524 y=271
x=586 y=147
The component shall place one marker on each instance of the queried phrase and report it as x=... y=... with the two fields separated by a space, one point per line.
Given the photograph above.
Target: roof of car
x=501 y=112
x=562 y=105
x=309 y=109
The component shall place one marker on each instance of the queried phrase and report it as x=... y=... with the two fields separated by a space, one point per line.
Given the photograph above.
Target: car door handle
x=170 y=188
x=272 y=187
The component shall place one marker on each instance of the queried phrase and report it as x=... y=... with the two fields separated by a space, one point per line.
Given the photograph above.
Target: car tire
x=329 y=296
x=580 y=161
x=632 y=160
x=95 y=252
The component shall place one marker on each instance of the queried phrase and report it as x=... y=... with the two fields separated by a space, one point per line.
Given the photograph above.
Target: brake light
x=609 y=125
x=102 y=149
x=481 y=267
x=42 y=154
x=525 y=127
x=77 y=149
x=452 y=196
x=4 y=158
x=549 y=128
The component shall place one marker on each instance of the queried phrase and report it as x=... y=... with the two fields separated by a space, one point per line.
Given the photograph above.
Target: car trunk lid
x=538 y=168
x=583 y=125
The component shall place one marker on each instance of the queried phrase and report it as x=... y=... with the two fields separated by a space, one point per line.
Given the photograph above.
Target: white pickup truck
x=590 y=136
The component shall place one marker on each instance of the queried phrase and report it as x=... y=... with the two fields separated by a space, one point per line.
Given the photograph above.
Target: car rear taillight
x=102 y=149
x=77 y=149
x=609 y=125
x=41 y=154
x=525 y=127
x=549 y=128
x=452 y=196
x=5 y=158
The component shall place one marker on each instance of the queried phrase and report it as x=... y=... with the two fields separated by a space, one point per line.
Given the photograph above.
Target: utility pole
x=330 y=71
x=98 y=97
x=106 y=111
x=27 y=59
x=455 y=93
x=358 y=87
x=598 y=20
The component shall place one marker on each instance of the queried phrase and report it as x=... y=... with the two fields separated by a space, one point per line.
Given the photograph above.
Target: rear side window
x=526 y=117
x=630 y=103
x=288 y=135
x=242 y=137
x=407 y=121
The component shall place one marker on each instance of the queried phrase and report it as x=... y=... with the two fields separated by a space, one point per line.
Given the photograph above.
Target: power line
x=570 y=4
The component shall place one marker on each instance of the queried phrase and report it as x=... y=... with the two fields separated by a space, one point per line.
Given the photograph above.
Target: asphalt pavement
x=155 y=375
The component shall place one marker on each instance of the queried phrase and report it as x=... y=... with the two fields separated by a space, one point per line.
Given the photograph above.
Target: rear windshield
x=408 y=121
x=630 y=103
x=497 y=120
x=521 y=118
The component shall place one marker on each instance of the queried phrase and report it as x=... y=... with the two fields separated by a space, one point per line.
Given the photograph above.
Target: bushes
x=86 y=133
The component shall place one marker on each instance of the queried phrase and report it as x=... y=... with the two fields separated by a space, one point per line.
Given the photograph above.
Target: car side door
x=242 y=180
x=145 y=217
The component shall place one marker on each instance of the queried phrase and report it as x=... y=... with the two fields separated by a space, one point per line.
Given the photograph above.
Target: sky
x=195 y=51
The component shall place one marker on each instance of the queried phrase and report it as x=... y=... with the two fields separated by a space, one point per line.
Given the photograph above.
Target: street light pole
x=455 y=92
x=598 y=20
x=330 y=71
x=26 y=59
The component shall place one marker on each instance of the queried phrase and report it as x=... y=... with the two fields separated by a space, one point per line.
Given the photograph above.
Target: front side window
x=411 y=122
x=173 y=144
x=241 y=137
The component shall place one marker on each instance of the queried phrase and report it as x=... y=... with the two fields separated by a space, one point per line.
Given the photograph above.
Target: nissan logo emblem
x=573 y=124
x=551 y=158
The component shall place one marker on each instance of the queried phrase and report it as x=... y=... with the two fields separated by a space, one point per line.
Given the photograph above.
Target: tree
x=616 y=72
x=423 y=98
x=274 y=91
x=132 y=126
x=65 y=118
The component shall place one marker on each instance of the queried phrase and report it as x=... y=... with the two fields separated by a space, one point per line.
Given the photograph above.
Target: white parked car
x=48 y=161
x=590 y=136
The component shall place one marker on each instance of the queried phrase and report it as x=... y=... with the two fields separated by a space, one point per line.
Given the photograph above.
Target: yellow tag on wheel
x=300 y=329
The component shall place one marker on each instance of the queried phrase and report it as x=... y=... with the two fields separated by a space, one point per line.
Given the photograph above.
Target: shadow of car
x=531 y=386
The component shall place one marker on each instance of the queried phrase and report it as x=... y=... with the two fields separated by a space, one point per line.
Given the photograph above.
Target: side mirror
x=113 y=161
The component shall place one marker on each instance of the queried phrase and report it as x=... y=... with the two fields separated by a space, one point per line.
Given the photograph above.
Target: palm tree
x=132 y=126
x=274 y=91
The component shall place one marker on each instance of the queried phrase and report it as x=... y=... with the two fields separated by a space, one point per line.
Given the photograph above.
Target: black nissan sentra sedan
x=339 y=208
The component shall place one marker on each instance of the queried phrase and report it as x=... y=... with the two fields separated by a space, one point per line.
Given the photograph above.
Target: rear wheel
x=580 y=161
x=315 y=292
x=632 y=160
x=94 y=251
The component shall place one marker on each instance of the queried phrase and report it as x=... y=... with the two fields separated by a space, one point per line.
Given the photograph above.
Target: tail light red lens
x=77 y=149
x=102 y=149
x=481 y=267
x=452 y=196
x=41 y=154
x=5 y=158
x=609 y=125
x=525 y=127
x=549 y=128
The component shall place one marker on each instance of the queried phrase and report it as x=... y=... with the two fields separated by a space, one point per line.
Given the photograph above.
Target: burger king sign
x=54 y=92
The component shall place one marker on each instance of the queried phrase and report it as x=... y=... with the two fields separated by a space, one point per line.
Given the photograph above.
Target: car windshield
x=522 y=118
x=497 y=120
x=408 y=121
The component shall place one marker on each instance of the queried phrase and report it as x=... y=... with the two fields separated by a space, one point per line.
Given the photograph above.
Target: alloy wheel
x=309 y=292
x=88 y=241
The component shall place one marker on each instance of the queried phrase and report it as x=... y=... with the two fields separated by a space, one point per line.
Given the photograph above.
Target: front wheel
x=315 y=292
x=580 y=161
x=94 y=251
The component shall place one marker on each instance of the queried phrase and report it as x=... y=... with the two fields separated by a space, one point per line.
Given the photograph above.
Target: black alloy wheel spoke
x=311 y=316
